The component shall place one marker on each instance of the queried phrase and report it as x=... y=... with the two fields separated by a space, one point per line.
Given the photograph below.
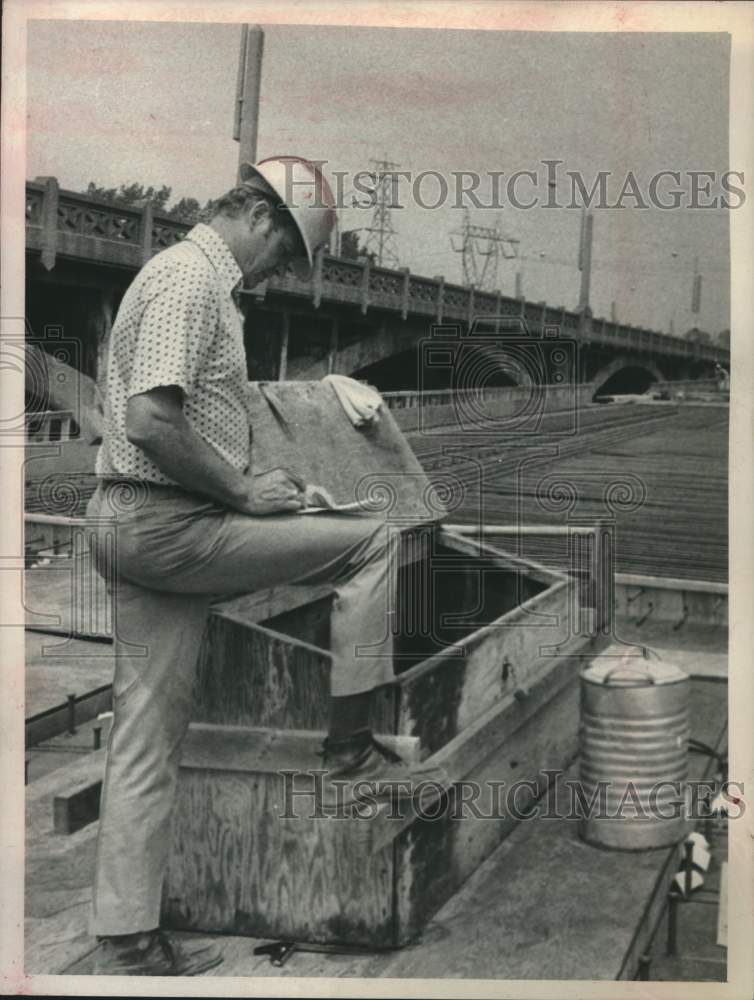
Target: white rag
x=360 y=402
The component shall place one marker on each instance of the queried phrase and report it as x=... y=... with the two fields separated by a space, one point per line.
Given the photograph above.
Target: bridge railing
x=74 y=225
x=51 y=425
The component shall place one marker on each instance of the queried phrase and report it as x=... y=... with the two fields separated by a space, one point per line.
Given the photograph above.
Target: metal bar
x=66 y=522
x=239 y=83
x=669 y=583
x=249 y=110
x=671 y=947
x=72 y=714
x=523 y=529
x=688 y=867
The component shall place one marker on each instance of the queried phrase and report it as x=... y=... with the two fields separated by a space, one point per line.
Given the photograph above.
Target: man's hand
x=156 y=423
x=274 y=492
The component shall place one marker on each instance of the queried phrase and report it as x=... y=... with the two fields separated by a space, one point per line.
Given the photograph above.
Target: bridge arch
x=414 y=368
x=626 y=375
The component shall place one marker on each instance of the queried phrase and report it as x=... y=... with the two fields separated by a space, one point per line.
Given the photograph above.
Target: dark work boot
x=152 y=953
x=359 y=766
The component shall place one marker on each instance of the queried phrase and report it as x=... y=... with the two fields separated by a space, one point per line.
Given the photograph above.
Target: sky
x=114 y=102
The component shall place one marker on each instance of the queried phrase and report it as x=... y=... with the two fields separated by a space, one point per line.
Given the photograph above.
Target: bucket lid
x=635 y=668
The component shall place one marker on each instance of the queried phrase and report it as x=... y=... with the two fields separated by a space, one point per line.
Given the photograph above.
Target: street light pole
x=248 y=86
x=585 y=258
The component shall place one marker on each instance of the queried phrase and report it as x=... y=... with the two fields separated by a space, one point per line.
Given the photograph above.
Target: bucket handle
x=647 y=678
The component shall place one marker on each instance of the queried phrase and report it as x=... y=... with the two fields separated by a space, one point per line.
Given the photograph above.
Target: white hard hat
x=305 y=192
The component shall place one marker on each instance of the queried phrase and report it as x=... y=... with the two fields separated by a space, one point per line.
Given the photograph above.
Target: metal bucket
x=634 y=757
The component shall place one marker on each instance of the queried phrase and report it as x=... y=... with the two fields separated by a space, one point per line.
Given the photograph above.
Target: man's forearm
x=182 y=455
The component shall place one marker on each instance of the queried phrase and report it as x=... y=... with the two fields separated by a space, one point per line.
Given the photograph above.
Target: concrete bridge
x=351 y=317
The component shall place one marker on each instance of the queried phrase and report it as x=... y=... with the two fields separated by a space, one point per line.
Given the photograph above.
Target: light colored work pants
x=174 y=555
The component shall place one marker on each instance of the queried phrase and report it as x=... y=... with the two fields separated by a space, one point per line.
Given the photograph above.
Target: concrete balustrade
x=66 y=223
x=420 y=410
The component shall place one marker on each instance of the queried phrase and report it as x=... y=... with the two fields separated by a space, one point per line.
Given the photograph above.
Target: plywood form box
x=486 y=687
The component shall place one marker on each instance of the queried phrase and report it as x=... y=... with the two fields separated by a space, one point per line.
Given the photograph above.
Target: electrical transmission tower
x=482 y=249
x=381 y=238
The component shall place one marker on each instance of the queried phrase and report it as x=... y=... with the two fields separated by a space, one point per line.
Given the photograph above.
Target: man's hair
x=235 y=202
x=238 y=200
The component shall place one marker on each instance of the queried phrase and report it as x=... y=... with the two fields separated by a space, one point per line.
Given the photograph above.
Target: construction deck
x=544 y=905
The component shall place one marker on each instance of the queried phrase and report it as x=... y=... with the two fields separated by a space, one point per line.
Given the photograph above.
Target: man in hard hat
x=194 y=522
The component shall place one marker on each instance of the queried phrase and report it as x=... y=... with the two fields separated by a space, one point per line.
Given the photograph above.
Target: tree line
x=185 y=209
x=189 y=210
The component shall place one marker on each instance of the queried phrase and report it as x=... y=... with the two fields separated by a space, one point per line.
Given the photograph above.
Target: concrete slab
x=57 y=667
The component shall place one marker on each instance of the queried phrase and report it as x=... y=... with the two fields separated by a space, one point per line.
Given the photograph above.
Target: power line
x=482 y=248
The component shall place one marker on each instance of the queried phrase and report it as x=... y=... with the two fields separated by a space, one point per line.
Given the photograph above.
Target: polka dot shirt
x=178 y=324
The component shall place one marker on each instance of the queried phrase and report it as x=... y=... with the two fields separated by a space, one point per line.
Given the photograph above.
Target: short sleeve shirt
x=179 y=324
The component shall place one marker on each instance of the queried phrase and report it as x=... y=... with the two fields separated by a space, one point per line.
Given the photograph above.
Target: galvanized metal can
x=634 y=752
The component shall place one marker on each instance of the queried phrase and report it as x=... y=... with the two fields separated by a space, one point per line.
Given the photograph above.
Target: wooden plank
x=666 y=583
x=53 y=943
x=484 y=738
x=58 y=871
x=264 y=604
x=75 y=809
x=647 y=603
x=435 y=856
x=239 y=865
x=251 y=675
x=442 y=695
x=473 y=546
x=245 y=749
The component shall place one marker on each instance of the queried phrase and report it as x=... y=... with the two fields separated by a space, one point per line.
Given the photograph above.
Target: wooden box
x=490 y=694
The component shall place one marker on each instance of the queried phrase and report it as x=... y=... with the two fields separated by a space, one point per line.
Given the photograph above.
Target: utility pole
x=482 y=248
x=696 y=289
x=585 y=258
x=519 y=285
x=248 y=86
x=381 y=238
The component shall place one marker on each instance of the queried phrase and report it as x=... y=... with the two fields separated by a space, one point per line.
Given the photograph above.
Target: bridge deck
x=669 y=495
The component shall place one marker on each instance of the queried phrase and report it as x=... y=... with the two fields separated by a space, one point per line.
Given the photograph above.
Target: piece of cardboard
x=302 y=427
